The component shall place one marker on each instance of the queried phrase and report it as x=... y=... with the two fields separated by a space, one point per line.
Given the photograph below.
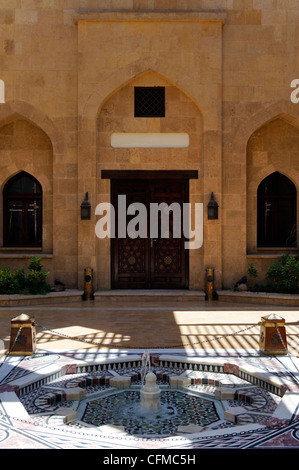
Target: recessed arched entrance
x=271 y=186
x=166 y=148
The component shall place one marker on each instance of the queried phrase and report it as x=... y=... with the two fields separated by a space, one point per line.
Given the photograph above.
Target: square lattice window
x=149 y=101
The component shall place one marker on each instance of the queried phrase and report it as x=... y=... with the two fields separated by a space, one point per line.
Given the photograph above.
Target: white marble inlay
x=149 y=140
x=2 y=92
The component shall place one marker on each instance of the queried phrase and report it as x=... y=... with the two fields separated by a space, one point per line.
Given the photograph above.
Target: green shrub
x=35 y=264
x=20 y=283
x=7 y=282
x=251 y=270
x=20 y=279
x=268 y=287
x=284 y=274
x=36 y=282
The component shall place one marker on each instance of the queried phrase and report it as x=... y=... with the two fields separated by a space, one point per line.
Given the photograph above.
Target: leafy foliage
x=251 y=270
x=282 y=276
x=34 y=282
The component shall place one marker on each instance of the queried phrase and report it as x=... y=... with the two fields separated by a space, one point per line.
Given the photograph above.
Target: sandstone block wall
x=69 y=67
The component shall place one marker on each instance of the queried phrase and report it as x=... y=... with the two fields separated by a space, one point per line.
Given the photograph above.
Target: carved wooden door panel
x=151 y=262
x=168 y=256
x=130 y=263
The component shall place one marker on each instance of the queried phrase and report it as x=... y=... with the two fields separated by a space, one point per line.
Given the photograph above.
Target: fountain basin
x=123 y=409
x=236 y=391
x=44 y=393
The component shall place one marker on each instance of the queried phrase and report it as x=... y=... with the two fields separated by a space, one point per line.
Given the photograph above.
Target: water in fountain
x=148 y=411
x=149 y=406
x=150 y=391
x=145 y=366
x=124 y=409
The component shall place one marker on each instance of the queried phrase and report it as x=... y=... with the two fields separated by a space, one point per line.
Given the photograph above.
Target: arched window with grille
x=22 y=211
x=276 y=212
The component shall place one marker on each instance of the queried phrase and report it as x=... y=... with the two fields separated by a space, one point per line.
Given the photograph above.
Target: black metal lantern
x=212 y=208
x=85 y=208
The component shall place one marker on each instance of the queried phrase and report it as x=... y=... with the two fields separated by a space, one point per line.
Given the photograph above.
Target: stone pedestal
x=150 y=393
x=23 y=336
x=272 y=335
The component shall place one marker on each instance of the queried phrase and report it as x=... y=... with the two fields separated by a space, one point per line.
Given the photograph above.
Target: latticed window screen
x=149 y=102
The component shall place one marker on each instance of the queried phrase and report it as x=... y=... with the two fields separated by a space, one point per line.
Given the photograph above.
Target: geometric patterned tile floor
x=35 y=416
x=41 y=395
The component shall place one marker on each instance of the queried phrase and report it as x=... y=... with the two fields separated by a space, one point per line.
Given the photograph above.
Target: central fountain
x=150 y=391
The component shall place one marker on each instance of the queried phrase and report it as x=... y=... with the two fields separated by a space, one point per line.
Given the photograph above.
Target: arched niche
x=22 y=211
x=271 y=150
x=116 y=115
x=24 y=146
x=182 y=116
x=276 y=212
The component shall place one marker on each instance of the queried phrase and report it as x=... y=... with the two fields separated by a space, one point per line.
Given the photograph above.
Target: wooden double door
x=147 y=262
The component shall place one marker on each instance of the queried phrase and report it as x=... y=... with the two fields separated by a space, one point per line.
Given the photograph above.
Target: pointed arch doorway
x=145 y=262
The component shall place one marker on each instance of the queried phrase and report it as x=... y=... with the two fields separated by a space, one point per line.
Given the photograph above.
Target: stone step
x=149 y=295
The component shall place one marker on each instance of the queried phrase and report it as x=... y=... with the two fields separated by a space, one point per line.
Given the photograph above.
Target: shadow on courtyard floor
x=86 y=325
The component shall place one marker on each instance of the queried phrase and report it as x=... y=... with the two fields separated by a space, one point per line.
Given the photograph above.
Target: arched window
x=22 y=211
x=276 y=212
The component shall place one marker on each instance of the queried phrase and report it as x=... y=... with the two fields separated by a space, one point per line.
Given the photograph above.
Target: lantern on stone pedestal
x=273 y=339
x=23 y=336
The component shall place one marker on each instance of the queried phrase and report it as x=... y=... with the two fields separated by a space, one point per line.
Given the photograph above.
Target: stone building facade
x=69 y=70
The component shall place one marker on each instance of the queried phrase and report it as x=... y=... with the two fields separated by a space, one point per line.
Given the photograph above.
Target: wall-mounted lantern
x=212 y=208
x=85 y=208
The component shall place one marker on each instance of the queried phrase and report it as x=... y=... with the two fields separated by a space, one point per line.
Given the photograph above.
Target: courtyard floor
x=208 y=339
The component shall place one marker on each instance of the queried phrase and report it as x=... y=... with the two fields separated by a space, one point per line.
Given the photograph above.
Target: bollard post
x=209 y=283
x=273 y=335
x=23 y=336
x=88 y=284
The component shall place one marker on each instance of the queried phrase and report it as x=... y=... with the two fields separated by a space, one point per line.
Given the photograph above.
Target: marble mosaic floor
x=39 y=398
x=257 y=396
